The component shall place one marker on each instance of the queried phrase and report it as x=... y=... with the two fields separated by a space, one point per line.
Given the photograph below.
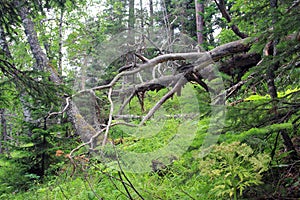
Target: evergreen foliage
x=256 y=155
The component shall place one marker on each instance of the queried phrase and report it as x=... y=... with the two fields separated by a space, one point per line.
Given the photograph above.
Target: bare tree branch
x=61 y=112
x=178 y=85
x=296 y=3
x=216 y=54
x=230 y=91
x=97 y=135
x=222 y=7
x=109 y=118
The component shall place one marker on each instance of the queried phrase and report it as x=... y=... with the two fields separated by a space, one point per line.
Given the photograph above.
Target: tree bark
x=131 y=18
x=272 y=68
x=41 y=59
x=222 y=7
x=273 y=90
x=26 y=111
x=59 y=66
x=3 y=132
x=199 y=7
x=151 y=12
x=82 y=128
x=142 y=14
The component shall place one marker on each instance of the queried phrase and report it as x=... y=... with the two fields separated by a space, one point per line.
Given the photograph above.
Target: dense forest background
x=149 y=99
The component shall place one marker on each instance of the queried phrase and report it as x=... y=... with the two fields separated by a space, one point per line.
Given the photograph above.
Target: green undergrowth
x=236 y=165
x=189 y=176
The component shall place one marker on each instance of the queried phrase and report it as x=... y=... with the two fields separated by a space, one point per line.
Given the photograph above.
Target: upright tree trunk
x=83 y=72
x=26 y=111
x=59 y=66
x=272 y=88
x=82 y=128
x=142 y=14
x=151 y=12
x=41 y=59
x=4 y=132
x=199 y=7
x=131 y=19
x=274 y=66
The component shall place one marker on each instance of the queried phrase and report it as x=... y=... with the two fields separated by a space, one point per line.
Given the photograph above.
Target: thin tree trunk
x=151 y=12
x=4 y=132
x=131 y=19
x=1 y=138
x=271 y=69
x=273 y=90
x=26 y=111
x=199 y=7
x=59 y=67
x=142 y=14
x=83 y=72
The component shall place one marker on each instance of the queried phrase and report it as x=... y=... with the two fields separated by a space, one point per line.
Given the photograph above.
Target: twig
x=230 y=91
x=160 y=51
x=124 y=185
x=91 y=187
x=91 y=140
x=131 y=185
x=63 y=192
x=111 y=180
x=61 y=112
x=187 y=194
x=275 y=147
x=122 y=172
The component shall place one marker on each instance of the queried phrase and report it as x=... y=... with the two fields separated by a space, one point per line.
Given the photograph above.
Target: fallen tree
x=196 y=67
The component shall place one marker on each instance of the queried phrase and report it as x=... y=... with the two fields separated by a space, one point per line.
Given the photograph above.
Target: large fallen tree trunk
x=193 y=71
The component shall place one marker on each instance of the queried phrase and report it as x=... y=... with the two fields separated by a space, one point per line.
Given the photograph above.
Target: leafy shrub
x=233 y=167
